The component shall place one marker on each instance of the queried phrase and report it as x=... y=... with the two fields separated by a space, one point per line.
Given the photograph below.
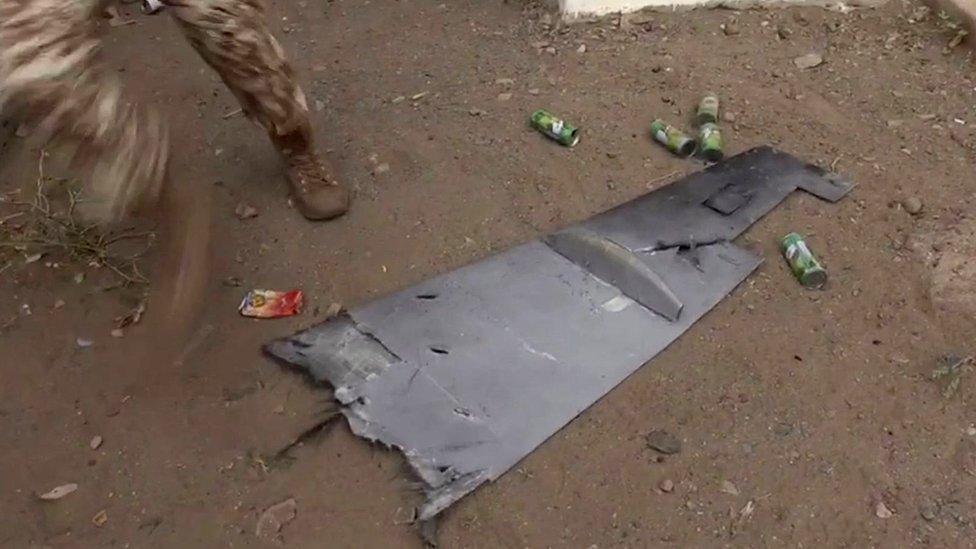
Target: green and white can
x=555 y=127
x=802 y=262
x=710 y=142
x=707 y=109
x=674 y=139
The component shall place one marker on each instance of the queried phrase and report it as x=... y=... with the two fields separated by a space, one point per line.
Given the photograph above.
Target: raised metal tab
x=618 y=267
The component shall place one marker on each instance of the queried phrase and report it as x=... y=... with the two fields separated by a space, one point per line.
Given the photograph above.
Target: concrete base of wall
x=594 y=8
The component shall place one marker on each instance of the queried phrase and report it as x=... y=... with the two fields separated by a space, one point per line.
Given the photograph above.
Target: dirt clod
x=663 y=441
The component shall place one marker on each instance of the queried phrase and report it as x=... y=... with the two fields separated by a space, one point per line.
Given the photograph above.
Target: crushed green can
x=710 y=142
x=555 y=128
x=674 y=139
x=707 y=109
x=804 y=265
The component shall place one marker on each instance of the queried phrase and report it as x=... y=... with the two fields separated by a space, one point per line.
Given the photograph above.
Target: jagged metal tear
x=470 y=371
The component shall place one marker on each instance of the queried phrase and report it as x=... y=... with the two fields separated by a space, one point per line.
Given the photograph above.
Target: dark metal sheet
x=468 y=372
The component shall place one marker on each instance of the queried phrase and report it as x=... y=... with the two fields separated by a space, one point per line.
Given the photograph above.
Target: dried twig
x=60 y=229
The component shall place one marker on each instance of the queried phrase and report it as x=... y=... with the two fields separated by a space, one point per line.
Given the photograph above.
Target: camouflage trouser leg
x=50 y=72
x=232 y=37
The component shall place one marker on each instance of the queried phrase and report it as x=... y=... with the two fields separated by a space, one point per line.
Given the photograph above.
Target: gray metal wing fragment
x=468 y=372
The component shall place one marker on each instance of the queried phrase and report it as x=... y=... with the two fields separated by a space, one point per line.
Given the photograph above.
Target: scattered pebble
x=33 y=258
x=533 y=91
x=912 y=205
x=83 y=343
x=663 y=442
x=117 y=333
x=275 y=517
x=581 y=48
x=505 y=81
x=476 y=112
x=882 y=511
x=729 y=488
x=666 y=486
x=100 y=518
x=333 y=310
x=381 y=169
x=728 y=117
x=504 y=96
x=59 y=492
x=808 y=61
x=59 y=304
x=79 y=278
x=245 y=211
x=95 y=442
x=971 y=431
x=731 y=27
x=928 y=510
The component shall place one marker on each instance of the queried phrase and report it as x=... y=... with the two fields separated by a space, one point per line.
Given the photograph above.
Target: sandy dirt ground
x=807 y=418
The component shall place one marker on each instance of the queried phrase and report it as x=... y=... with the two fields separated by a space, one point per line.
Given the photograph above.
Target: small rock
x=83 y=343
x=504 y=96
x=275 y=517
x=59 y=492
x=95 y=442
x=729 y=488
x=23 y=130
x=731 y=27
x=117 y=333
x=928 y=511
x=663 y=442
x=381 y=169
x=33 y=258
x=533 y=91
x=666 y=486
x=398 y=99
x=100 y=518
x=894 y=123
x=550 y=50
x=784 y=33
x=319 y=105
x=59 y=304
x=476 y=112
x=79 y=278
x=912 y=205
x=232 y=282
x=808 y=61
x=279 y=409
x=418 y=96
x=245 y=211
x=505 y=81
x=581 y=48
x=882 y=511
x=333 y=310
x=728 y=117
x=971 y=430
